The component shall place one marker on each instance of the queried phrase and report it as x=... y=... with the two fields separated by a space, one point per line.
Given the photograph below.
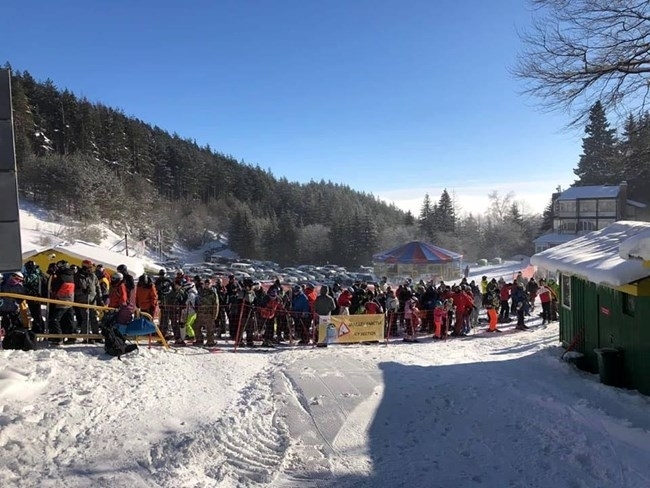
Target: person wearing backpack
x=87 y=291
x=35 y=284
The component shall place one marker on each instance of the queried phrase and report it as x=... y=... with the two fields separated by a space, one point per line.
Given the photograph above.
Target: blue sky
x=394 y=98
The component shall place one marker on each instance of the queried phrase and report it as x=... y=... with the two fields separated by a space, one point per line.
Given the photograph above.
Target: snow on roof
x=595 y=256
x=554 y=238
x=600 y=191
x=99 y=255
x=634 y=203
x=636 y=247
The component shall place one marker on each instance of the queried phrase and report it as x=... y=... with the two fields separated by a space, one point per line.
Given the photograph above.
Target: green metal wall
x=599 y=310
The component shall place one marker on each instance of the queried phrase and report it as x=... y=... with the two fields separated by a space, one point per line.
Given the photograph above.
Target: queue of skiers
x=69 y=284
x=204 y=309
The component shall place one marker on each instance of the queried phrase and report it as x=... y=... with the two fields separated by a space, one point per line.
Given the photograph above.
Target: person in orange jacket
x=146 y=295
x=118 y=295
x=439 y=314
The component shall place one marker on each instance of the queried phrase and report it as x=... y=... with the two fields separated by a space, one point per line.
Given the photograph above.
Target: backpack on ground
x=115 y=343
x=19 y=338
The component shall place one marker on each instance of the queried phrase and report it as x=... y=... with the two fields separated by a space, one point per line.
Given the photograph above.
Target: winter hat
x=273 y=293
x=86 y=263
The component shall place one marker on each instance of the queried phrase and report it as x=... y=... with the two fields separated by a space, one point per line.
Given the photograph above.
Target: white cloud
x=472 y=196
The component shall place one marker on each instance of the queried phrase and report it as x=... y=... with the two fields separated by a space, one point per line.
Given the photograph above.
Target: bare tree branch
x=580 y=51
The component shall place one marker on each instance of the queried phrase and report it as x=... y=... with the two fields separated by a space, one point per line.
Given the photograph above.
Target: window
x=628 y=304
x=568 y=225
x=566 y=291
x=587 y=206
x=606 y=206
x=587 y=225
x=568 y=206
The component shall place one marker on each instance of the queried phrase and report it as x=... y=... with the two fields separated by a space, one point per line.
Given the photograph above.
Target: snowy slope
x=481 y=411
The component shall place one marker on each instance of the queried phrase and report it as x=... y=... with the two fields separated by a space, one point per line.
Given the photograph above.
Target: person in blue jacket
x=301 y=313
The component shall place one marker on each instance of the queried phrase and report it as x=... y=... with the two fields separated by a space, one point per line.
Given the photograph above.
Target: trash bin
x=610 y=365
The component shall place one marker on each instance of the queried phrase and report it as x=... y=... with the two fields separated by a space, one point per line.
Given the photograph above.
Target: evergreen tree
x=446 y=213
x=426 y=220
x=635 y=151
x=597 y=165
x=547 y=218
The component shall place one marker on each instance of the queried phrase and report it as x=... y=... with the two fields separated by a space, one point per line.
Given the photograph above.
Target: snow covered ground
x=488 y=410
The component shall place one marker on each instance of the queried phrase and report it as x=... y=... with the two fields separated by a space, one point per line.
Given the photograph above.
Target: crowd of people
x=204 y=309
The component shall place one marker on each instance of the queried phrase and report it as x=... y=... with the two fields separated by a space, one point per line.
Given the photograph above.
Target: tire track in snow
x=245 y=449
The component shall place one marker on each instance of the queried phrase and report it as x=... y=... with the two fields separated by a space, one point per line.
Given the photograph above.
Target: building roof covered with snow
x=79 y=250
x=596 y=256
x=584 y=192
x=636 y=247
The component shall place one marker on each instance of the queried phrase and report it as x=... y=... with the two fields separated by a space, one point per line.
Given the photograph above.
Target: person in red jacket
x=463 y=303
x=546 y=295
x=344 y=302
x=504 y=296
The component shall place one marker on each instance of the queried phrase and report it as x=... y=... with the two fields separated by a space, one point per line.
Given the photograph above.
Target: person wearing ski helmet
x=129 y=282
x=10 y=307
x=117 y=296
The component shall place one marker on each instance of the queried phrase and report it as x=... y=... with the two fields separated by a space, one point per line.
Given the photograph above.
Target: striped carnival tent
x=418 y=260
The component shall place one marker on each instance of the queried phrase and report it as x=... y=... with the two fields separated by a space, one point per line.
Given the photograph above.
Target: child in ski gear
x=411 y=319
x=438 y=317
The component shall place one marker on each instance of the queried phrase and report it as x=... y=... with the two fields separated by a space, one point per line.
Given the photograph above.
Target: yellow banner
x=348 y=329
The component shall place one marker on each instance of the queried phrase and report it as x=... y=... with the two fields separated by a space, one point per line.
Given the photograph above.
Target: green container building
x=604 y=297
